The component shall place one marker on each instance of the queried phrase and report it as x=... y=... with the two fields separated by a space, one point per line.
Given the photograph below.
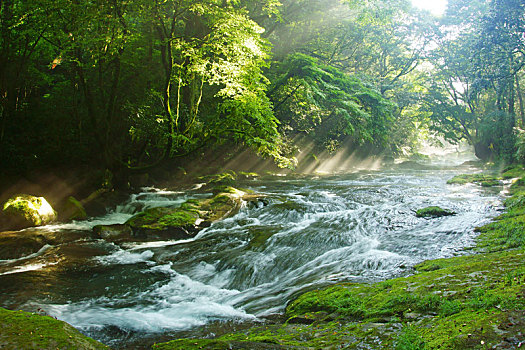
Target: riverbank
x=468 y=302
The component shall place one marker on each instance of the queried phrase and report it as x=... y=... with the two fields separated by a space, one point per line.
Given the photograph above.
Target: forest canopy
x=127 y=85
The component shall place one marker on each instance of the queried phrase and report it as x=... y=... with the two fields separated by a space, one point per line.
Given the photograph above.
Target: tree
x=477 y=63
x=323 y=102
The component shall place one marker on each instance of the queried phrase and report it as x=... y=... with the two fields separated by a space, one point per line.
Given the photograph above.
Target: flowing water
x=314 y=231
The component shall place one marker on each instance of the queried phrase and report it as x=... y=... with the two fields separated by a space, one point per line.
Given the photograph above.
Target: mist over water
x=316 y=230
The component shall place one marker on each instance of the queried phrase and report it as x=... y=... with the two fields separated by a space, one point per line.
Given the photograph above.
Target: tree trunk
x=482 y=151
x=520 y=99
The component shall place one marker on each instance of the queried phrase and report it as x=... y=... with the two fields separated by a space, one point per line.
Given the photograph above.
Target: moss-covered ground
x=467 y=302
x=480 y=179
x=23 y=330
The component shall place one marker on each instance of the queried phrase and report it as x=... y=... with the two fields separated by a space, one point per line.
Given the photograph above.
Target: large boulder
x=178 y=223
x=26 y=211
x=165 y=223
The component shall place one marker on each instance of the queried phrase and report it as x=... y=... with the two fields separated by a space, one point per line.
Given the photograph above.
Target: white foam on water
x=180 y=304
x=26 y=268
x=87 y=225
x=124 y=257
x=159 y=191
x=181 y=316
x=27 y=257
x=155 y=244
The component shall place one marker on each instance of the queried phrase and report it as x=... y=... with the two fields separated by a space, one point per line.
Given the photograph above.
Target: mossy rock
x=178 y=223
x=480 y=179
x=159 y=218
x=490 y=183
x=25 y=211
x=248 y=175
x=23 y=330
x=433 y=212
x=222 y=205
x=225 y=178
x=219 y=189
x=192 y=216
x=175 y=223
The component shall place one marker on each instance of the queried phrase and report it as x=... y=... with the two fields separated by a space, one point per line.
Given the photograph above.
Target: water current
x=315 y=230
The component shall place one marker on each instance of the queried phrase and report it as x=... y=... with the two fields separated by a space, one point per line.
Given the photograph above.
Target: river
x=315 y=230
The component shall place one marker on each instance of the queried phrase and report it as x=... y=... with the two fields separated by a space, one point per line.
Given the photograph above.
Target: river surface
x=315 y=230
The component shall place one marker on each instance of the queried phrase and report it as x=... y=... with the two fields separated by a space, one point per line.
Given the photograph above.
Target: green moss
x=490 y=183
x=480 y=179
x=35 y=211
x=517 y=186
x=338 y=299
x=23 y=330
x=225 y=189
x=513 y=172
x=433 y=212
x=227 y=178
x=191 y=205
x=75 y=208
x=516 y=202
x=410 y=339
x=248 y=175
x=161 y=218
x=179 y=218
x=507 y=230
x=184 y=344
